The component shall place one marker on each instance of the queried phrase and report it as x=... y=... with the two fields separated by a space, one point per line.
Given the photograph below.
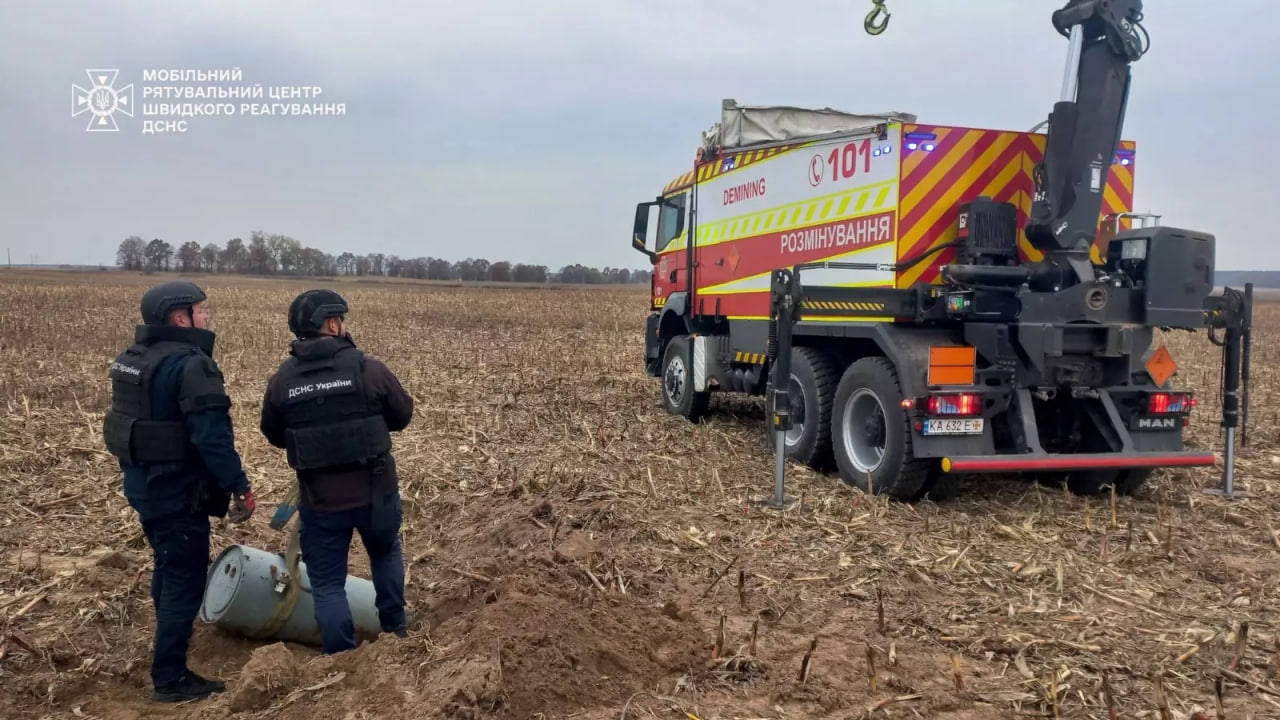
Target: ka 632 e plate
x=953 y=426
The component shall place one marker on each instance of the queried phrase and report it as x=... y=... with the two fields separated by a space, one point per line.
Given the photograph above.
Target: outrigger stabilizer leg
x=1232 y=312
x=783 y=305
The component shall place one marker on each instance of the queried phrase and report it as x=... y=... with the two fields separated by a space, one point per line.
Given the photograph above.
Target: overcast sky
x=527 y=130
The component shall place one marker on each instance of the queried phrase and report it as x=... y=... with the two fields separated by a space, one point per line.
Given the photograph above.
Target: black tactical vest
x=129 y=431
x=328 y=420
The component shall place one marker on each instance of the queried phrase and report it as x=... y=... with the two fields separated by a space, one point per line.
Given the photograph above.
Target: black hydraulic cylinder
x=1084 y=129
x=1230 y=404
x=784 y=303
x=784 y=317
x=987 y=274
x=1246 y=351
x=1231 y=378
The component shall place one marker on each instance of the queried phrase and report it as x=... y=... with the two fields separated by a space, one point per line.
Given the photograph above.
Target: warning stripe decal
x=723 y=166
x=834 y=305
x=968 y=163
x=843 y=205
x=757 y=282
x=756 y=306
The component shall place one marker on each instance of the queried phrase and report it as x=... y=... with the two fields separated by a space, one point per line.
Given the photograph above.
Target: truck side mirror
x=641 y=229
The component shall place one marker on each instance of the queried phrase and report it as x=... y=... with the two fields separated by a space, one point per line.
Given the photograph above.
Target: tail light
x=1163 y=403
x=955 y=404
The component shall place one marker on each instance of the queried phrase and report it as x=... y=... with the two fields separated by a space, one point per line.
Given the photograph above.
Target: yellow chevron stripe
x=1125 y=176
x=912 y=161
x=1023 y=200
x=1111 y=201
x=956 y=153
x=947 y=203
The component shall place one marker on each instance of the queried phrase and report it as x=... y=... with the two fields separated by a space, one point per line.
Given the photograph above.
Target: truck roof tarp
x=749 y=125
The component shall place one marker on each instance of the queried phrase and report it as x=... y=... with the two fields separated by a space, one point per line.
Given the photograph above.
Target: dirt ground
x=574 y=552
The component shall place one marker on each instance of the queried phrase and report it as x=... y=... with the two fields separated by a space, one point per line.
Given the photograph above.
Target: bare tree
x=189 y=256
x=209 y=257
x=132 y=254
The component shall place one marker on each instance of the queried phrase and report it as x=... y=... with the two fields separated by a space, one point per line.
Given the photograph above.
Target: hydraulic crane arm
x=1106 y=36
x=1084 y=128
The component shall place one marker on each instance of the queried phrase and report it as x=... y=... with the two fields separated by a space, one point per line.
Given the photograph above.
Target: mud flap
x=652 y=345
x=699 y=363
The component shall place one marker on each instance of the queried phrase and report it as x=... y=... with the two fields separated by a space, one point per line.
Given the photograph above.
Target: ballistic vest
x=327 y=419
x=129 y=430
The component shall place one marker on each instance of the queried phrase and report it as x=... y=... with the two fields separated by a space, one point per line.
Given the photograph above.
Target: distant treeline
x=282 y=255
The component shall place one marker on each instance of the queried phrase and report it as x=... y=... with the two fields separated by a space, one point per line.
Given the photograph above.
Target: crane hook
x=869 y=24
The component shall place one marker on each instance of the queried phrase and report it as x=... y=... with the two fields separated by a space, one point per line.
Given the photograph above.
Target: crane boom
x=1105 y=37
x=1084 y=128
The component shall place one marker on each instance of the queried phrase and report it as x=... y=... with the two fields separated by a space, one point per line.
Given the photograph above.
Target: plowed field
x=574 y=552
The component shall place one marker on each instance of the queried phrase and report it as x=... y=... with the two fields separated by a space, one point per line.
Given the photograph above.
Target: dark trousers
x=180 y=546
x=326 y=538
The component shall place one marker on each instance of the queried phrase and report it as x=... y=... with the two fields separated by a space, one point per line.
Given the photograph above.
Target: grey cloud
x=527 y=130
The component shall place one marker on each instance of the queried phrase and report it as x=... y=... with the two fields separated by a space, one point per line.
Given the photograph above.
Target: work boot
x=190 y=687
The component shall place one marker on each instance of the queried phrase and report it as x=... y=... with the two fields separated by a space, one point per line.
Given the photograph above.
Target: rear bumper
x=1096 y=461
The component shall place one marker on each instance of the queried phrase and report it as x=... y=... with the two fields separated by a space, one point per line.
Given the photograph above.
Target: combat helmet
x=309 y=310
x=160 y=300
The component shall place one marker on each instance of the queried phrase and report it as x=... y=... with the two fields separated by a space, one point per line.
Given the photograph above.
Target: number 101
x=843 y=161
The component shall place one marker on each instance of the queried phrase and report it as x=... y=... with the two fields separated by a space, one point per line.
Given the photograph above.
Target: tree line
x=273 y=254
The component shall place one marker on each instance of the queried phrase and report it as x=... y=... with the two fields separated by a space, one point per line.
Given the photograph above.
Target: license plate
x=953 y=426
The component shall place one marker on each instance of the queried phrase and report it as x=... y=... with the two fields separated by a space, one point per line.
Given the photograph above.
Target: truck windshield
x=671 y=221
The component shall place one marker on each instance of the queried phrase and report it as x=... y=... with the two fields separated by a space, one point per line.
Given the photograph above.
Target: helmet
x=309 y=310
x=165 y=297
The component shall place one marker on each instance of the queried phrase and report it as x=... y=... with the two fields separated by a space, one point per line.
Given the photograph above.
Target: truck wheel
x=678 y=396
x=871 y=433
x=812 y=388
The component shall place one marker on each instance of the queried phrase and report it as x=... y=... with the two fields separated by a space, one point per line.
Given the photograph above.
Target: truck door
x=671 y=273
x=669 y=254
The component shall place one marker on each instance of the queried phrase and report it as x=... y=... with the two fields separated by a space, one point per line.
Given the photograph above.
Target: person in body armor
x=170 y=428
x=332 y=408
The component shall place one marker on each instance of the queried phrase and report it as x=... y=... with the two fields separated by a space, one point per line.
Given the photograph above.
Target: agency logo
x=102 y=100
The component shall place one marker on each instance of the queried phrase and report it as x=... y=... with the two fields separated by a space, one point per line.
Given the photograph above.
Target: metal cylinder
x=247 y=593
x=1075 y=48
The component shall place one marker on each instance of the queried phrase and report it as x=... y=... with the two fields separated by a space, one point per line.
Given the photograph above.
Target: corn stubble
x=533 y=416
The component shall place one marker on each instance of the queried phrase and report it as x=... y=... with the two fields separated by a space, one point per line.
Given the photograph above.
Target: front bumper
x=1083 y=461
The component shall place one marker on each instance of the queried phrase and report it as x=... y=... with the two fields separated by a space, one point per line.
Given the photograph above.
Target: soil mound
x=517 y=647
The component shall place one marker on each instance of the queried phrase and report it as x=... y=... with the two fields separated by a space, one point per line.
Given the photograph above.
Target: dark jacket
x=342 y=487
x=205 y=482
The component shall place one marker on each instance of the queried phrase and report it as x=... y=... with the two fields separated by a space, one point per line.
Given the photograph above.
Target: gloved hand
x=242 y=506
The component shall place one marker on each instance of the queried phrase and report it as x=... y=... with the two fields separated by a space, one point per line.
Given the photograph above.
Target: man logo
x=1157 y=423
x=102 y=100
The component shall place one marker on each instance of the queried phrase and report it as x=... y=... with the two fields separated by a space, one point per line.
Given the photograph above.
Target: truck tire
x=678 y=396
x=813 y=386
x=871 y=433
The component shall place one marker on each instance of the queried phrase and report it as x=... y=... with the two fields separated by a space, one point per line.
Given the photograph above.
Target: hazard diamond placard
x=1160 y=366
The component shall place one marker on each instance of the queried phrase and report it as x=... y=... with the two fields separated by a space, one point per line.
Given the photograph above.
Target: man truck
x=941 y=299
